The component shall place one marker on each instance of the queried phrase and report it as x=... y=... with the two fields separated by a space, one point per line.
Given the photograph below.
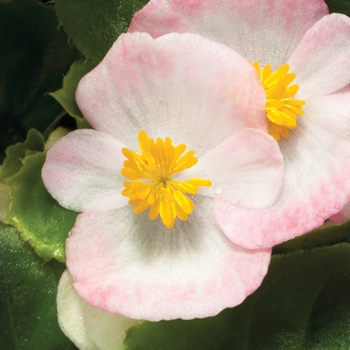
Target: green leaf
x=339 y=6
x=15 y=154
x=28 y=287
x=328 y=234
x=66 y=95
x=34 y=56
x=94 y=25
x=303 y=303
x=4 y=201
x=39 y=218
x=209 y=333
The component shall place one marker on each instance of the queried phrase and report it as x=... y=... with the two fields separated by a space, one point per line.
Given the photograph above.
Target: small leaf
x=28 y=287
x=94 y=25
x=303 y=303
x=15 y=153
x=4 y=201
x=39 y=218
x=326 y=235
x=66 y=95
x=209 y=333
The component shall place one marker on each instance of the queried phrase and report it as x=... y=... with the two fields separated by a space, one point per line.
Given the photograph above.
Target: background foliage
x=304 y=300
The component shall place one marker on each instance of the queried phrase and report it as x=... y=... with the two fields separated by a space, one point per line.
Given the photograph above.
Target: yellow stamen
x=152 y=186
x=282 y=109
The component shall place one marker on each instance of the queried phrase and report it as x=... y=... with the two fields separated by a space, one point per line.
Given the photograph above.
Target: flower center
x=282 y=109
x=152 y=185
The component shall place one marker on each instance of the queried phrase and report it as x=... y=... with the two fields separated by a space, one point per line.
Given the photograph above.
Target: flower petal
x=316 y=178
x=342 y=216
x=82 y=171
x=265 y=31
x=246 y=169
x=87 y=327
x=105 y=329
x=321 y=61
x=127 y=264
x=70 y=310
x=169 y=89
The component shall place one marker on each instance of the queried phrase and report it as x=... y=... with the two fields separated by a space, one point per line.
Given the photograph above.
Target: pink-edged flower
x=303 y=44
x=171 y=134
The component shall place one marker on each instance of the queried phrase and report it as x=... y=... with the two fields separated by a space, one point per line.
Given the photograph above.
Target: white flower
x=315 y=46
x=163 y=256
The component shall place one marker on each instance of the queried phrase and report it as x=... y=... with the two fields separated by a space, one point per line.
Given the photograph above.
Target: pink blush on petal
x=294 y=216
x=342 y=216
x=264 y=31
x=162 y=85
x=195 y=277
x=339 y=218
x=192 y=6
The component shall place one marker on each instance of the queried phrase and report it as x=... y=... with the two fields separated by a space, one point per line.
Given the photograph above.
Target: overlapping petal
x=317 y=47
x=87 y=327
x=246 y=169
x=315 y=184
x=321 y=60
x=342 y=216
x=139 y=269
x=265 y=31
x=167 y=88
x=82 y=171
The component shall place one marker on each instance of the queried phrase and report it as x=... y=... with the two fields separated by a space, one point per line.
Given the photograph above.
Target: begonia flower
x=302 y=55
x=147 y=245
x=89 y=328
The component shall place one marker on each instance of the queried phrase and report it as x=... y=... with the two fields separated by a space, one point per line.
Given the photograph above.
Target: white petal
x=89 y=328
x=245 y=169
x=105 y=329
x=82 y=171
x=70 y=308
x=265 y=31
x=322 y=59
x=316 y=178
x=169 y=89
x=128 y=264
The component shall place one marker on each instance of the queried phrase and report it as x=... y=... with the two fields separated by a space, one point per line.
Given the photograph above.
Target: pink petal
x=265 y=31
x=82 y=171
x=167 y=88
x=246 y=169
x=342 y=216
x=321 y=61
x=127 y=264
x=316 y=178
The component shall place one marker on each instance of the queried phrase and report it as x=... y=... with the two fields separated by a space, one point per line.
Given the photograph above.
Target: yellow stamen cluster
x=151 y=185
x=281 y=108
